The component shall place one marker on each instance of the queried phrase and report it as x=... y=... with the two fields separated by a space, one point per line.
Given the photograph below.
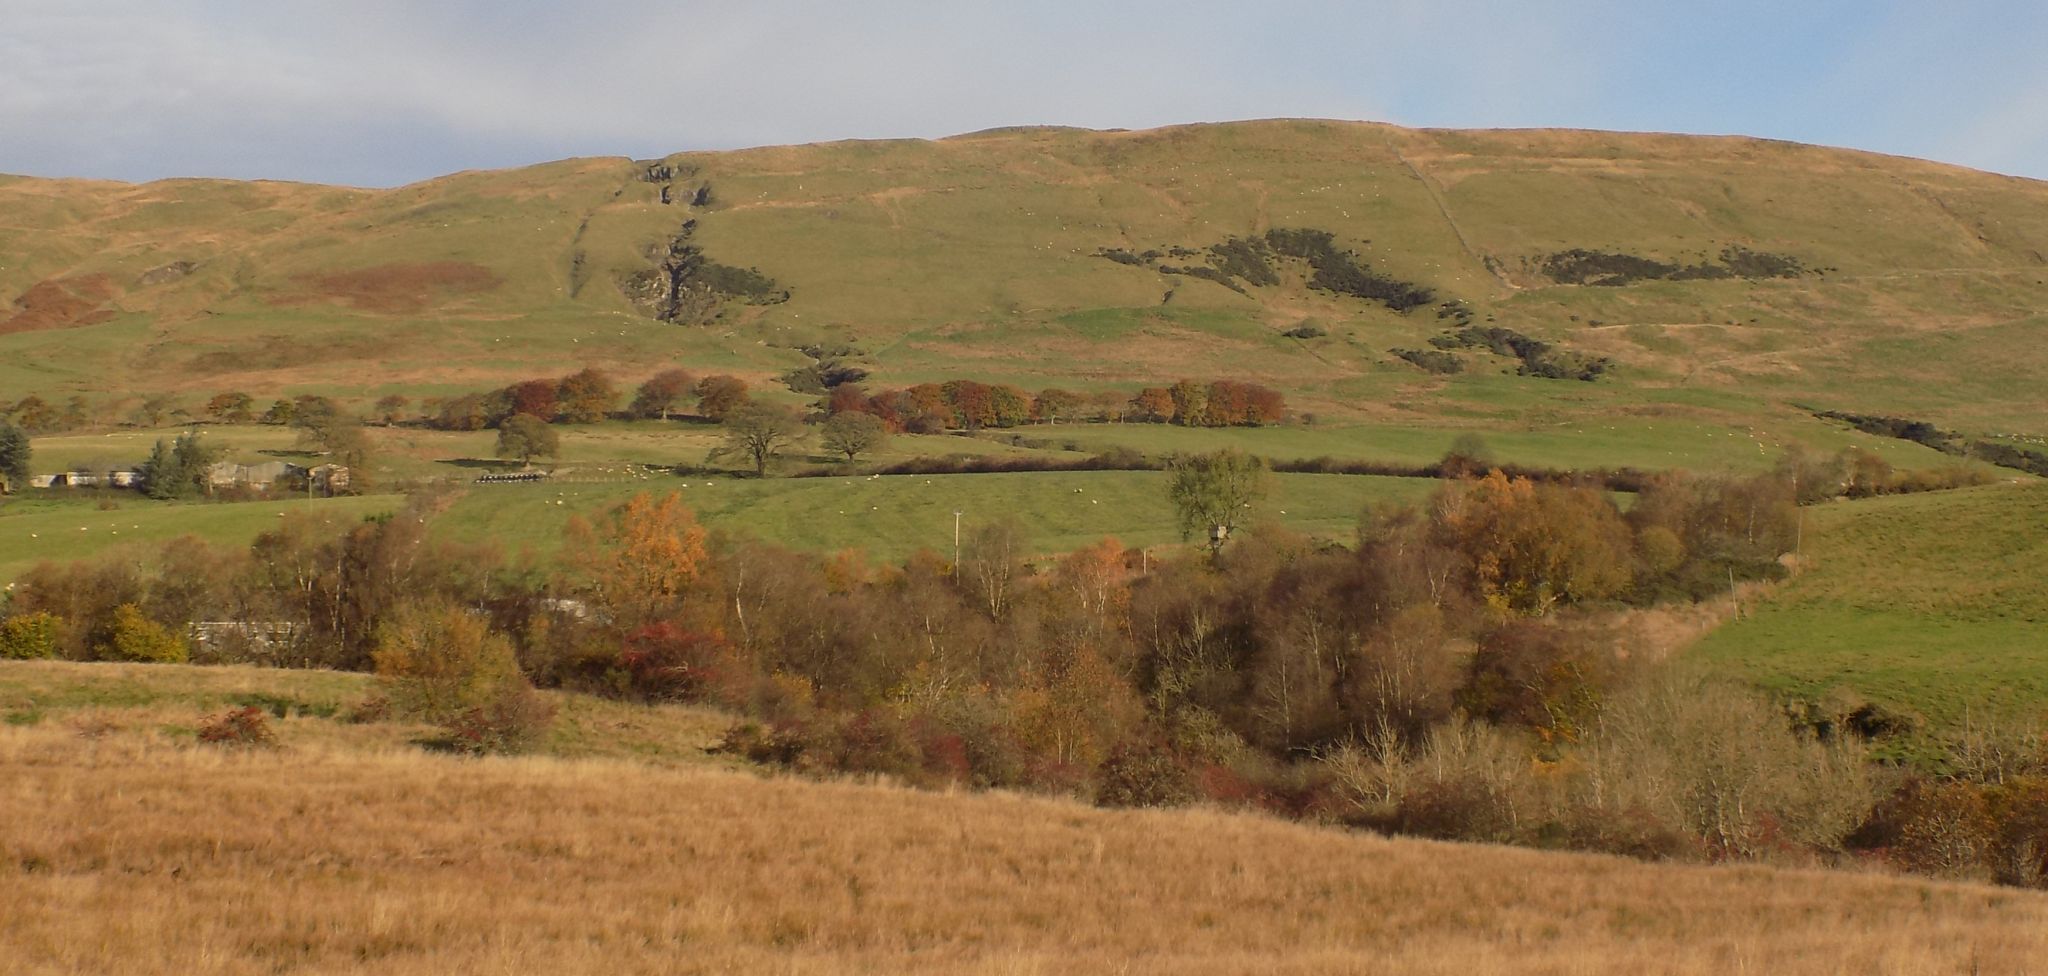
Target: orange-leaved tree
x=1535 y=546
x=638 y=561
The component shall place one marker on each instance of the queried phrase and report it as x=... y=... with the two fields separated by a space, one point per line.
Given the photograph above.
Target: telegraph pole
x=956 y=543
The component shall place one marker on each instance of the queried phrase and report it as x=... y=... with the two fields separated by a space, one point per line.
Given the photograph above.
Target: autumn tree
x=230 y=408
x=846 y=398
x=391 y=408
x=853 y=433
x=1008 y=406
x=757 y=433
x=719 y=395
x=538 y=398
x=1190 y=402
x=441 y=663
x=639 y=558
x=1534 y=546
x=1153 y=404
x=279 y=413
x=659 y=396
x=525 y=436
x=1214 y=493
x=469 y=411
x=972 y=404
x=1052 y=404
x=586 y=396
x=14 y=457
x=132 y=636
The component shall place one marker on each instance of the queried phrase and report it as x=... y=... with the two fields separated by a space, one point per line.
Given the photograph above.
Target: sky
x=386 y=92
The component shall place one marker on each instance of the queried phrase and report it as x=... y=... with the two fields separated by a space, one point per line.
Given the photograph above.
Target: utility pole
x=956 y=543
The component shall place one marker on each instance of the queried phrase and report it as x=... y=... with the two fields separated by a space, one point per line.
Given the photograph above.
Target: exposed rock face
x=165 y=273
x=686 y=287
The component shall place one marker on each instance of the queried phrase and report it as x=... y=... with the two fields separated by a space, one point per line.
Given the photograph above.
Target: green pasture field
x=57 y=525
x=1622 y=441
x=1935 y=603
x=889 y=518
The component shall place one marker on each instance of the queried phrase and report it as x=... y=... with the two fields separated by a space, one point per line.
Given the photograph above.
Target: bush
x=246 y=728
x=29 y=637
x=134 y=637
x=1143 y=774
x=513 y=720
x=444 y=665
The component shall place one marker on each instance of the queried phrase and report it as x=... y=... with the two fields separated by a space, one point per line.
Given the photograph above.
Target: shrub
x=29 y=637
x=444 y=665
x=515 y=719
x=134 y=637
x=246 y=727
x=1143 y=774
x=1431 y=360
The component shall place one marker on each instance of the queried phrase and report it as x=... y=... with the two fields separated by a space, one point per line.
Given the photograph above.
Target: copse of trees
x=584 y=397
x=968 y=405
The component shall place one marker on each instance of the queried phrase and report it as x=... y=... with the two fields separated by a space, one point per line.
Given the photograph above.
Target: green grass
x=62 y=527
x=1622 y=441
x=892 y=517
x=1935 y=603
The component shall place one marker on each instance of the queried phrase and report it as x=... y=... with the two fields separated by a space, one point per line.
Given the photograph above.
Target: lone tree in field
x=854 y=433
x=1214 y=493
x=758 y=432
x=525 y=436
x=14 y=455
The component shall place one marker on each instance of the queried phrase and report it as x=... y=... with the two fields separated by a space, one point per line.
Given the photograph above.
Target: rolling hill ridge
x=1711 y=273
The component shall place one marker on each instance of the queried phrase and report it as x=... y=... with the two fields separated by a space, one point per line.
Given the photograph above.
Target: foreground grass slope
x=125 y=848
x=1933 y=603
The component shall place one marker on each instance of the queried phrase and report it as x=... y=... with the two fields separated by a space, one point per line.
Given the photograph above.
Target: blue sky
x=383 y=92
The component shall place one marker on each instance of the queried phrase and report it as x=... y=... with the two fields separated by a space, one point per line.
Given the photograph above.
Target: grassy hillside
x=1932 y=603
x=1911 y=288
x=128 y=847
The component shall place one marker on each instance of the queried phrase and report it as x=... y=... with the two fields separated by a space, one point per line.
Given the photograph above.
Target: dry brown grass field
x=132 y=851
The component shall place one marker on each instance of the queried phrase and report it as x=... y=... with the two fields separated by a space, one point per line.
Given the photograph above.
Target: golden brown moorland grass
x=133 y=853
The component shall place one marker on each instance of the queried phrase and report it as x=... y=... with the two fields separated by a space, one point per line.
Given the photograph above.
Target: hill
x=1732 y=282
x=349 y=851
